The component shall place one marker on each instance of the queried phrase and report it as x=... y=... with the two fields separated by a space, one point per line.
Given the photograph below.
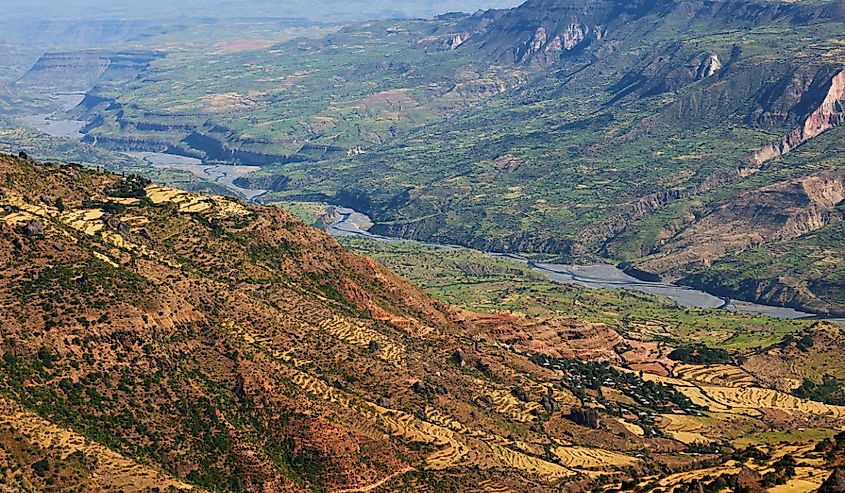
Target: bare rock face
x=699 y=68
x=459 y=358
x=828 y=114
x=835 y=483
x=545 y=48
x=549 y=404
x=455 y=41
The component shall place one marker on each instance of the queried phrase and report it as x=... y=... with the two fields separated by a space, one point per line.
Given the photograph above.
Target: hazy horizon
x=316 y=10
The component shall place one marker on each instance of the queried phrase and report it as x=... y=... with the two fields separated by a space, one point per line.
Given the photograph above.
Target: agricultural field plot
x=592 y=458
x=725 y=375
x=358 y=334
x=797 y=467
x=748 y=400
x=192 y=203
x=688 y=429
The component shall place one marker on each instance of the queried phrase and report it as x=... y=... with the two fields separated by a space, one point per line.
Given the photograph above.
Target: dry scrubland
x=160 y=338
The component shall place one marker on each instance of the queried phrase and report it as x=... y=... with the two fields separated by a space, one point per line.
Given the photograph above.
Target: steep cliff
x=80 y=71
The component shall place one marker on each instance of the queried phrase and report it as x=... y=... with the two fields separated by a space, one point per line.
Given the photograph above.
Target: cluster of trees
x=129 y=187
x=830 y=391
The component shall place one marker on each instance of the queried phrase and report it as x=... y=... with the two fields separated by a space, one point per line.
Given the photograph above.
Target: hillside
x=154 y=338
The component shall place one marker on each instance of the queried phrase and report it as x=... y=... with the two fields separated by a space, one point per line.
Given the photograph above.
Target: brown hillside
x=162 y=339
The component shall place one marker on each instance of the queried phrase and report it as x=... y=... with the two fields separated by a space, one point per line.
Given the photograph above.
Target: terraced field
x=688 y=429
x=358 y=334
x=215 y=206
x=807 y=478
x=592 y=458
x=750 y=400
x=729 y=376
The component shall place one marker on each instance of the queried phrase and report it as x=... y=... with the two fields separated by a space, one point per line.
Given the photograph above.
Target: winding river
x=56 y=125
x=351 y=223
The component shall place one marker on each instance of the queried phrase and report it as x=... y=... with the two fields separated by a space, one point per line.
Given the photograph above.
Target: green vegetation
x=481 y=283
x=591 y=153
x=311 y=213
x=586 y=380
x=701 y=355
x=830 y=391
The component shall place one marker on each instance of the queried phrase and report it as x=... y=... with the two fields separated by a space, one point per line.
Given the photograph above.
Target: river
x=601 y=276
x=56 y=125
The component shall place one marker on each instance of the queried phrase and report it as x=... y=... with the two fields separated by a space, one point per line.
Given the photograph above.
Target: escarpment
x=775 y=213
x=827 y=114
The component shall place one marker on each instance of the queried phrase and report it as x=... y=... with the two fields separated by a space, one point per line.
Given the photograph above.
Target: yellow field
x=729 y=376
x=749 y=400
x=16 y=219
x=686 y=429
x=746 y=400
x=357 y=334
x=730 y=467
x=527 y=463
x=592 y=458
x=193 y=203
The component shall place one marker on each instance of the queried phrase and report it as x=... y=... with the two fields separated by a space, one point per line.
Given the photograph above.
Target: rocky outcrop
x=699 y=68
x=540 y=32
x=33 y=229
x=748 y=481
x=826 y=115
x=549 y=404
x=455 y=41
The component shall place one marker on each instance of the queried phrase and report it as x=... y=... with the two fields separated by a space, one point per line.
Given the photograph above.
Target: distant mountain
x=80 y=71
x=318 y=10
x=559 y=28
